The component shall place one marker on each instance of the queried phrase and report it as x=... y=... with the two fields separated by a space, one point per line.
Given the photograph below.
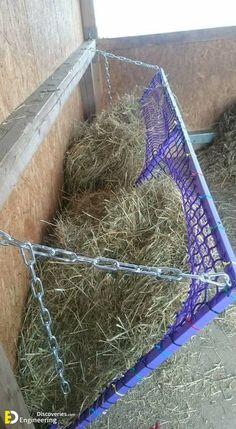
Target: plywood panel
x=10 y=394
x=56 y=32
x=32 y=202
x=18 y=72
x=25 y=129
x=201 y=72
x=35 y=38
x=69 y=25
x=45 y=36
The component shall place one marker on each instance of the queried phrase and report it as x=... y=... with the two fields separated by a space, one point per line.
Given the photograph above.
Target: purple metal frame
x=181 y=333
x=152 y=360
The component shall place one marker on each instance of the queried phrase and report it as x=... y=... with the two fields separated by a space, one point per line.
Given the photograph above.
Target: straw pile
x=104 y=321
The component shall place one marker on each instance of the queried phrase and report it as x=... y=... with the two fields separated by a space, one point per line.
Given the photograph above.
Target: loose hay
x=109 y=152
x=105 y=322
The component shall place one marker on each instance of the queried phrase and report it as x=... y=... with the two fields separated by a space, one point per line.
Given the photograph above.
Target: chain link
x=30 y=251
x=220 y=279
x=108 y=79
x=28 y=255
x=107 y=55
x=127 y=60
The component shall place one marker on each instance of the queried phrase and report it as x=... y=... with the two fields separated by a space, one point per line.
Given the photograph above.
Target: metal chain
x=127 y=60
x=108 y=79
x=107 y=55
x=28 y=255
x=29 y=252
x=220 y=279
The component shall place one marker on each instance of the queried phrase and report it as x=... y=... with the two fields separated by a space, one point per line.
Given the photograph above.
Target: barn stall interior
x=99 y=147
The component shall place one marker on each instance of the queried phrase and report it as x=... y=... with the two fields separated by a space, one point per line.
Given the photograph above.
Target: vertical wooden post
x=10 y=395
x=87 y=82
x=88 y=19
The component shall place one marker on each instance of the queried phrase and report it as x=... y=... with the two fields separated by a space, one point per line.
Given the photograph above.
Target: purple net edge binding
x=179 y=333
x=153 y=360
x=168 y=147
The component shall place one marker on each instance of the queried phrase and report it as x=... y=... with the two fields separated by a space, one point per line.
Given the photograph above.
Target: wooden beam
x=10 y=395
x=88 y=19
x=87 y=85
x=23 y=131
x=189 y=36
x=88 y=94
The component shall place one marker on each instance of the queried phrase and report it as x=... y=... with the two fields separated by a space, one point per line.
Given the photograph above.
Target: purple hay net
x=169 y=150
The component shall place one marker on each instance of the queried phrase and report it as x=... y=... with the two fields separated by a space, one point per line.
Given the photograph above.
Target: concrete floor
x=196 y=388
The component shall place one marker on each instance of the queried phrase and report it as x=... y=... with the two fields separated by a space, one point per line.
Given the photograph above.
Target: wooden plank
x=35 y=38
x=33 y=201
x=189 y=36
x=88 y=19
x=18 y=70
x=87 y=83
x=24 y=130
x=87 y=94
x=69 y=23
x=56 y=31
x=10 y=395
x=202 y=75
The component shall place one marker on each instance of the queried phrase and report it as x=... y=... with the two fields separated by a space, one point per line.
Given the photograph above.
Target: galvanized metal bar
x=201 y=138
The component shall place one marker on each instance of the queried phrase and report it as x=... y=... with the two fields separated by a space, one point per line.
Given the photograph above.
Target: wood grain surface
x=10 y=395
x=200 y=66
x=35 y=38
x=31 y=204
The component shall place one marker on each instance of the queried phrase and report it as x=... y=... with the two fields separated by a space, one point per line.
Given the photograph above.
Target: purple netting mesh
x=167 y=150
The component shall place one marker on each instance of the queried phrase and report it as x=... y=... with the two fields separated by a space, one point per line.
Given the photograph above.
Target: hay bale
x=104 y=321
x=109 y=152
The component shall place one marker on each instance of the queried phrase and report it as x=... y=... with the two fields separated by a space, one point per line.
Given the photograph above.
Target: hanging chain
x=127 y=60
x=109 y=264
x=30 y=251
x=107 y=55
x=219 y=279
x=108 y=79
x=28 y=255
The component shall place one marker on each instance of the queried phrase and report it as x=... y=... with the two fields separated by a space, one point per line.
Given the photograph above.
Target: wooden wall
x=35 y=38
x=200 y=66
